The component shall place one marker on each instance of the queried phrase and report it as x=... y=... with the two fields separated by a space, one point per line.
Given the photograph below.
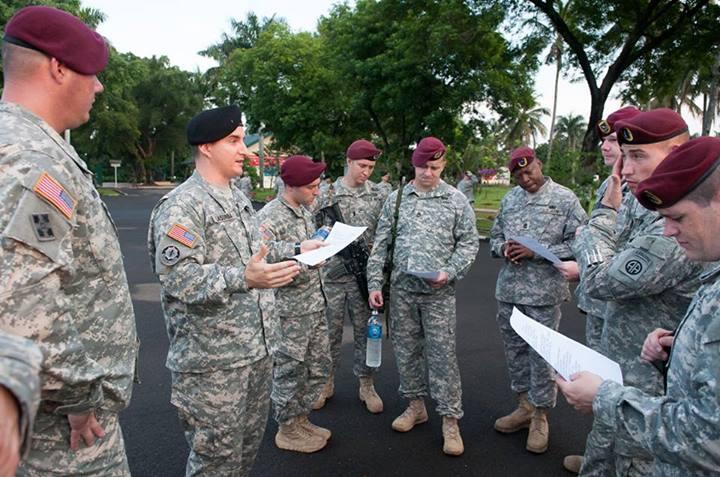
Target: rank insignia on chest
x=183 y=235
x=41 y=225
x=55 y=194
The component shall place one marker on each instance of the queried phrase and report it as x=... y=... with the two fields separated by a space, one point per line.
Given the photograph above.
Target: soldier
x=62 y=280
x=359 y=201
x=205 y=248
x=245 y=185
x=19 y=397
x=679 y=429
x=645 y=278
x=435 y=233
x=549 y=213
x=384 y=185
x=302 y=363
x=467 y=185
x=593 y=309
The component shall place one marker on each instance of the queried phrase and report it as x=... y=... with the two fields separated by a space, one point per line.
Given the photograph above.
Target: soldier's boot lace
x=537 y=441
x=518 y=419
x=413 y=415
x=573 y=463
x=313 y=428
x=294 y=437
x=452 y=441
x=369 y=396
x=327 y=392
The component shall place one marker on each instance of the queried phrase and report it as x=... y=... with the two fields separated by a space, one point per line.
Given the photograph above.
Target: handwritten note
x=567 y=356
x=340 y=237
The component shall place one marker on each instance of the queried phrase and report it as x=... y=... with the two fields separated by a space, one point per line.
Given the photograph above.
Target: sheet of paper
x=536 y=247
x=340 y=237
x=567 y=356
x=425 y=275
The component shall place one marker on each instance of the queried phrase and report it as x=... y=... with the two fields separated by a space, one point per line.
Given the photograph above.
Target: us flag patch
x=183 y=235
x=51 y=190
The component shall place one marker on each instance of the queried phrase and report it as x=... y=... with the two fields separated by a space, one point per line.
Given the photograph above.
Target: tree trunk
x=551 y=137
x=591 y=139
x=709 y=113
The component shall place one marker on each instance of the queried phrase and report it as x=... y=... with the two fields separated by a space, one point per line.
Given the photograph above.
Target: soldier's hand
x=260 y=274
x=580 y=390
x=375 y=299
x=515 y=252
x=308 y=245
x=656 y=345
x=569 y=270
x=613 y=193
x=9 y=433
x=440 y=282
x=85 y=427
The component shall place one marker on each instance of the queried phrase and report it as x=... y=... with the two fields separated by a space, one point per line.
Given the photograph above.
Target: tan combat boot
x=315 y=429
x=452 y=441
x=518 y=419
x=573 y=463
x=327 y=392
x=537 y=440
x=294 y=437
x=369 y=396
x=414 y=414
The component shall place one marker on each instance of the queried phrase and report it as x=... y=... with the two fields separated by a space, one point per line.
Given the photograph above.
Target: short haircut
x=708 y=189
x=18 y=61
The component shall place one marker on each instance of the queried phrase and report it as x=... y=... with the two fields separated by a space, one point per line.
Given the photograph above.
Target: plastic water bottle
x=373 y=355
x=321 y=233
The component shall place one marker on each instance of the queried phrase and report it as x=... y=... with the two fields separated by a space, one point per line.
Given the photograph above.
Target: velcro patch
x=183 y=235
x=55 y=194
x=42 y=227
x=266 y=234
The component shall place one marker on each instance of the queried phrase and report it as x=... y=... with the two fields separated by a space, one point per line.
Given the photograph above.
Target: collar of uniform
x=440 y=190
x=711 y=272
x=26 y=114
x=296 y=210
x=221 y=201
x=342 y=189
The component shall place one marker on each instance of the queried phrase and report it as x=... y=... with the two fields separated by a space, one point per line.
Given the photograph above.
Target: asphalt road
x=362 y=444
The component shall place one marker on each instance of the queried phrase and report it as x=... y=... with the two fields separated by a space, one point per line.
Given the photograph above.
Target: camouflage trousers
x=344 y=299
x=593 y=331
x=528 y=371
x=604 y=456
x=423 y=337
x=50 y=452
x=301 y=366
x=224 y=414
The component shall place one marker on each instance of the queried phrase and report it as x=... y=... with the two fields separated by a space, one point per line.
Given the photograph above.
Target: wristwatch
x=298 y=251
x=603 y=206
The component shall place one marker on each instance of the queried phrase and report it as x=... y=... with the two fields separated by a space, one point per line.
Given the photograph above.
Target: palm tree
x=525 y=126
x=572 y=128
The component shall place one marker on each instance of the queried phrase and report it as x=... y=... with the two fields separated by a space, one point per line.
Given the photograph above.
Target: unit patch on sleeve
x=41 y=226
x=183 y=235
x=55 y=194
x=170 y=255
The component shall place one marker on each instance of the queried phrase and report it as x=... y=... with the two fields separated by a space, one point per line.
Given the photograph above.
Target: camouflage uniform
x=648 y=282
x=302 y=364
x=360 y=207
x=467 y=187
x=534 y=285
x=384 y=187
x=680 y=429
x=20 y=363
x=436 y=232
x=62 y=285
x=245 y=185
x=221 y=332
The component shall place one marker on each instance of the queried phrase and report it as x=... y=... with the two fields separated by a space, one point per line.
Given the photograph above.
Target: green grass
x=261 y=195
x=489 y=197
x=107 y=192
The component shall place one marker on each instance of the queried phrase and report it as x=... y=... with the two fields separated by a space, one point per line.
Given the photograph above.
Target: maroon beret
x=298 y=171
x=363 y=149
x=649 y=127
x=607 y=126
x=428 y=149
x=680 y=173
x=58 y=34
x=520 y=157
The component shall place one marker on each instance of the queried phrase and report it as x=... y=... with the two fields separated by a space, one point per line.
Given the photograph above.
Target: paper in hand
x=340 y=237
x=567 y=356
x=536 y=247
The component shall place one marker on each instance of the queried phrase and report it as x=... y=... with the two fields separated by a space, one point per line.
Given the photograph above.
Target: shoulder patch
x=182 y=235
x=55 y=194
x=265 y=233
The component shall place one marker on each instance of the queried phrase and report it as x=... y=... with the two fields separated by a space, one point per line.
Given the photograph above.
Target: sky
x=179 y=29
